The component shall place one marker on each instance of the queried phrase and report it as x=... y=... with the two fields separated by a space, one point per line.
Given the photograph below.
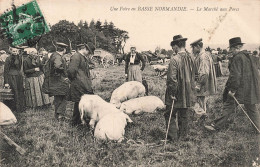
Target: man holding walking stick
x=242 y=87
x=180 y=88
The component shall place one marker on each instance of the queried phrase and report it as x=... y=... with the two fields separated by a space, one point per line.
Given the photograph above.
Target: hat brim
x=89 y=49
x=177 y=40
x=234 y=44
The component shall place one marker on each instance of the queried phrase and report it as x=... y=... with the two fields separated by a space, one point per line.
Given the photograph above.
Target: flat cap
x=61 y=44
x=80 y=45
x=196 y=42
x=89 y=46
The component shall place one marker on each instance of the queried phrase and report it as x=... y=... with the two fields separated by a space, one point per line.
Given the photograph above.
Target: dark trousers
x=229 y=109
x=76 y=115
x=76 y=120
x=59 y=104
x=178 y=127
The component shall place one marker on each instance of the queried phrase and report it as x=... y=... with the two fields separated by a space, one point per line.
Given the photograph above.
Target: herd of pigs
x=109 y=119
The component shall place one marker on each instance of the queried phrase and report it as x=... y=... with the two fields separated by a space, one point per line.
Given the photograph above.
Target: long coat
x=180 y=81
x=13 y=76
x=57 y=83
x=244 y=78
x=79 y=75
x=206 y=76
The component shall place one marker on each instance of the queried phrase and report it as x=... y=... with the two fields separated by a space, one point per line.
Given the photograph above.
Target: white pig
x=94 y=107
x=128 y=90
x=112 y=127
x=148 y=104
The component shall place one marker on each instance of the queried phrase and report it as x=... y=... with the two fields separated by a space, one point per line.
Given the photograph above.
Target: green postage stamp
x=23 y=23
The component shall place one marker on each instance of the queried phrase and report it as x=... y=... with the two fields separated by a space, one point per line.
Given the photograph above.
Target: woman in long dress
x=33 y=70
x=132 y=65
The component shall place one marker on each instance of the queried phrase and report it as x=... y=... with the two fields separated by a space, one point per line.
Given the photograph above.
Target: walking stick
x=244 y=112
x=12 y=143
x=167 y=130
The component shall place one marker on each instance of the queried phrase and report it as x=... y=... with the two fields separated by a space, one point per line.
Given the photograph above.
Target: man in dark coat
x=243 y=83
x=180 y=88
x=79 y=75
x=58 y=81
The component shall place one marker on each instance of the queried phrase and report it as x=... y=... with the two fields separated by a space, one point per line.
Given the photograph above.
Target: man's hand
x=7 y=86
x=37 y=69
x=197 y=88
x=125 y=75
x=232 y=94
x=173 y=98
x=67 y=80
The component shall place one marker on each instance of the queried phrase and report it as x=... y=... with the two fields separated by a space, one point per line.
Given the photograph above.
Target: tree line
x=102 y=35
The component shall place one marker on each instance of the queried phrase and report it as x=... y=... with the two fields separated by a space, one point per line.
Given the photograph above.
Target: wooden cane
x=244 y=112
x=167 y=131
x=12 y=143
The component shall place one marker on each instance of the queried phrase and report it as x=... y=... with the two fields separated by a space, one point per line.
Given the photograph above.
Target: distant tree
x=85 y=25
x=163 y=51
x=92 y=25
x=224 y=51
x=4 y=44
x=98 y=26
x=80 y=24
x=169 y=53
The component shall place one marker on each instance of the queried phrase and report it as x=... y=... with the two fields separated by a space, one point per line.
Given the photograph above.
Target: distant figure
x=13 y=78
x=180 y=85
x=243 y=83
x=3 y=56
x=205 y=76
x=33 y=70
x=217 y=64
x=132 y=67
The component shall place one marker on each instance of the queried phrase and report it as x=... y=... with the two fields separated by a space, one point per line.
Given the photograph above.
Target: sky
x=149 y=29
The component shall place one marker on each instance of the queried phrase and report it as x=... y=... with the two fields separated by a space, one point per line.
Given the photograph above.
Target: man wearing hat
x=205 y=76
x=180 y=88
x=132 y=67
x=56 y=81
x=243 y=83
x=79 y=75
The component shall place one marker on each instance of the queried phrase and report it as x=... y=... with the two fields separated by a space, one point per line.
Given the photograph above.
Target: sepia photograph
x=130 y=83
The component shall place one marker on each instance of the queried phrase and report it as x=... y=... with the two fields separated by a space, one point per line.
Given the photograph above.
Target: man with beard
x=79 y=75
x=180 y=88
x=243 y=84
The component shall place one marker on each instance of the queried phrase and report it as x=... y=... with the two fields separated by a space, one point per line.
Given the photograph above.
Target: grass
x=52 y=143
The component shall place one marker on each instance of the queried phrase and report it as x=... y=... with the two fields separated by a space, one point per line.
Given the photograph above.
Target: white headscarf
x=30 y=51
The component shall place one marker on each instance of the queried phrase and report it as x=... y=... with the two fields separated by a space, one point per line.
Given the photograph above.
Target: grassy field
x=52 y=143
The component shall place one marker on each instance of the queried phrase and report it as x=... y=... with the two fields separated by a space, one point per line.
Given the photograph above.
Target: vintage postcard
x=129 y=83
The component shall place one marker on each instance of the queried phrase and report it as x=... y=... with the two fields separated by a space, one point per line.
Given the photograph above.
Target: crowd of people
x=191 y=78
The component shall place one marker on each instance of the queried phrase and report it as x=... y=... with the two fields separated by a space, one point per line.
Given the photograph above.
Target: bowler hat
x=177 y=38
x=196 y=42
x=235 y=41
